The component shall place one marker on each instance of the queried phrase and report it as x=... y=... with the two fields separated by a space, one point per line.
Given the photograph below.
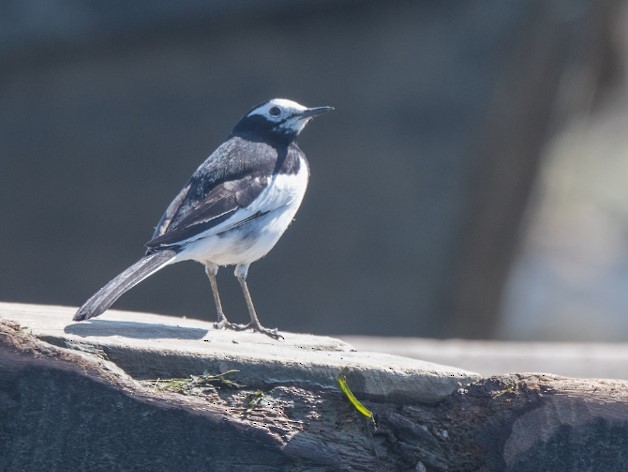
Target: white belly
x=252 y=240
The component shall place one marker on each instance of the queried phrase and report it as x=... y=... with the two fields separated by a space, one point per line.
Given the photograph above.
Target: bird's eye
x=275 y=111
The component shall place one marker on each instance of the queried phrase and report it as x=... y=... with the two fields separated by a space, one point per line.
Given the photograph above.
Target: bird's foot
x=273 y=333
x=222 y=323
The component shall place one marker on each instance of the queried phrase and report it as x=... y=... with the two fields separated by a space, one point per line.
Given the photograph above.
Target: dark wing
x=219 y=205
x=171 y=211
x=231 y=178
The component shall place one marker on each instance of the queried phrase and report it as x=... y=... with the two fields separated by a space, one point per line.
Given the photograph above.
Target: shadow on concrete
x=132 y=329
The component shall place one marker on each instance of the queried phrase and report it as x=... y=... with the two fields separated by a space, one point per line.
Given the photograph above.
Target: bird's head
x=278 y=119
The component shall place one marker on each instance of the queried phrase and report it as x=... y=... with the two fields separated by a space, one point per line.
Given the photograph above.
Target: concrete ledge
x=153 y=346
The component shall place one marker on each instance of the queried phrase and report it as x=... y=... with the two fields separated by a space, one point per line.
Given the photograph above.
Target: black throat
x=257 y=128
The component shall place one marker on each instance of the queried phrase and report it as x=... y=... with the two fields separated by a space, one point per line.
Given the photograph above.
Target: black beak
x=312 y=112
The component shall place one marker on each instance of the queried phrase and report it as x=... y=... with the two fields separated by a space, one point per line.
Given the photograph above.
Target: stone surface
x=62 y=409
x=150 y=346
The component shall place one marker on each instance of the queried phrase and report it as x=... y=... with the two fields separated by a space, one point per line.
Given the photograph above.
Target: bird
x=232 y=210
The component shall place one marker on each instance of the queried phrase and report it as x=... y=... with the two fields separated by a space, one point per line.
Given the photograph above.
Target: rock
x=150 y=346
x=74 y=408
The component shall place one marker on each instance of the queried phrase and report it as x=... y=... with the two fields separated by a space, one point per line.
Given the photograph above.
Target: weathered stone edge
x=414 y=385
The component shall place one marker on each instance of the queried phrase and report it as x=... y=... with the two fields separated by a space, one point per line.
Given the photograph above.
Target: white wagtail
x=233 y=209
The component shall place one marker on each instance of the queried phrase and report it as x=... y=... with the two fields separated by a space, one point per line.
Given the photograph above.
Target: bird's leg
x=241 y=273
x=212 y=270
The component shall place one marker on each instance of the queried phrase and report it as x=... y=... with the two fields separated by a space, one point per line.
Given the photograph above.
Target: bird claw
x=224 y=324
x=273 y=333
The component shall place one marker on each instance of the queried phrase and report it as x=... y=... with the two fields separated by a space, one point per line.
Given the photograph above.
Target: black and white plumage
x=233 y=209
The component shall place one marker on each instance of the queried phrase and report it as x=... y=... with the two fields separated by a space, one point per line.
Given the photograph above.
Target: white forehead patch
x=283 y=104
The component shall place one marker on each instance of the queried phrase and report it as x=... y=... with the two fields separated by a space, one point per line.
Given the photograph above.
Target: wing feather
x=219 y=205
x=231 y=178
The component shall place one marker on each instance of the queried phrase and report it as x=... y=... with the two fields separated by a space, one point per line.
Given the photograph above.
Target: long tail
x=106 y=296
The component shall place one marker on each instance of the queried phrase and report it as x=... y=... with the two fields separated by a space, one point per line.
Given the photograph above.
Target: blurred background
x=472 y=182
